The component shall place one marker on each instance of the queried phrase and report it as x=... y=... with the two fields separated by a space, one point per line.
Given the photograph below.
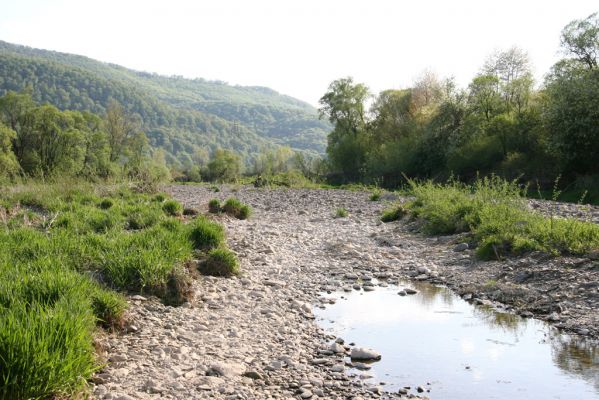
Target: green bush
x=172 y=207
x=214 y=206
x=237 y=209
x=220 y=262
x=205 y=234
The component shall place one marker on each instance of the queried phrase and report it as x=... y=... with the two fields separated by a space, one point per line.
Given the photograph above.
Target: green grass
x=205 y=234
x=220 y=262
x=495 y=212
x=67 y=252
x=393 y=213
x=237 y=209
x=214 y=206
x=375 y=195
x=172 y=207
x=341 y=213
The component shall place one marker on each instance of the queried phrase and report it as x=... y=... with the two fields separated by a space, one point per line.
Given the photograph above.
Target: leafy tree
x=344 y=106
x=9 y=166
x=224 y=166
x=580 y=39
x=485 y=98
x=121 y=129
x=512 y=69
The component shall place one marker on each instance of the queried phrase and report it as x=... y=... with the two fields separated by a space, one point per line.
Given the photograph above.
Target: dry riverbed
x=254 y=336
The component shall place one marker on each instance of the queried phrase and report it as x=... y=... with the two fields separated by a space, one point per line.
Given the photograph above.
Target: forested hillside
x=182 y=116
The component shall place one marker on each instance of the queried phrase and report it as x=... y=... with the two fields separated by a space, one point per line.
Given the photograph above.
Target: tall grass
x=66 y=251
x=496 y=213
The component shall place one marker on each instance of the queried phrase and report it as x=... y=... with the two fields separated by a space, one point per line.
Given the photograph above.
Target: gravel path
x=254 y=337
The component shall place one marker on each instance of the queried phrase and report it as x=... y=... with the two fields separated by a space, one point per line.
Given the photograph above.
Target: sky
x=296 y=47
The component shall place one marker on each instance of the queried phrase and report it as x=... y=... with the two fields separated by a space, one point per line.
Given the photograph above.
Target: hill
x=179 y=115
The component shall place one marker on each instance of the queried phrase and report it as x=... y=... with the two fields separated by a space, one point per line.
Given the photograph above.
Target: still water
x=460 y=351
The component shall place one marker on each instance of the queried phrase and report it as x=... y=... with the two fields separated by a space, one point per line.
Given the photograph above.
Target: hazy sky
x=295 y=47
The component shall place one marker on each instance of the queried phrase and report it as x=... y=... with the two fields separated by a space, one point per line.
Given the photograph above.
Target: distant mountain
x=179 y=115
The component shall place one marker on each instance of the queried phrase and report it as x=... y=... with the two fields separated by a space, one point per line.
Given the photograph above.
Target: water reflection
x=576 y=356
x=464 y=351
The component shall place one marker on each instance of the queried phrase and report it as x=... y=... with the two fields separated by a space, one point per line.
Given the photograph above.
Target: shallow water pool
x=436 y=340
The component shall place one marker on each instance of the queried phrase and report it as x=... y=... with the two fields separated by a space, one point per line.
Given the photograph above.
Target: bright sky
x=296 y=47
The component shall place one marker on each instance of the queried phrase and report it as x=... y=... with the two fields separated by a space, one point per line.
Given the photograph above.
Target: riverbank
x=254 y=337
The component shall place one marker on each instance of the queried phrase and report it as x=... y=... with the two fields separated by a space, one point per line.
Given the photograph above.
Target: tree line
x=41 y=141
x=499 y=124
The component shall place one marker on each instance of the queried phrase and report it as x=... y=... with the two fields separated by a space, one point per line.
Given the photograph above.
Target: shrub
x=172 y=207
x=220 y=262
x=237 y=209
x=341 y=213
x=214 y=206
x=205 y=234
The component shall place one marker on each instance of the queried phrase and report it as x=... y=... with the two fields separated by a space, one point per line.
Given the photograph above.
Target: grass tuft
x=237 y=209
x=205 y=234
x=341 y=213
x=220 y=262
x=214 y=206
x=394 y=213
x=172 y=208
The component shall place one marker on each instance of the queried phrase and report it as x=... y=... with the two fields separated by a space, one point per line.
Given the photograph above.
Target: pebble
x=254 y=337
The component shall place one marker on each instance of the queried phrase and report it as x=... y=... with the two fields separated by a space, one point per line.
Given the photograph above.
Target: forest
x=180 y=116
x=502 y=123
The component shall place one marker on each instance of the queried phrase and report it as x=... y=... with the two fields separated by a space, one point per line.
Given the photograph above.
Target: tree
x=512 y=68
x=485 y=98
x=344 y=106
x=394 y=113
x=428 y=90
x=572 y=88
x=580 y=38
x=572 y=115
x=14 y=112
x=121 y=129
x=225 y=166
x=9 y=166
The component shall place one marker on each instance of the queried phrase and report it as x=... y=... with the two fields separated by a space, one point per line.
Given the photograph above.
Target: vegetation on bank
x=67 y=252
x=496 y=214
x=499 y=124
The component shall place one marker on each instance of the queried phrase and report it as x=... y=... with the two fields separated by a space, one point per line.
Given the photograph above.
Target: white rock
x=362 y=353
